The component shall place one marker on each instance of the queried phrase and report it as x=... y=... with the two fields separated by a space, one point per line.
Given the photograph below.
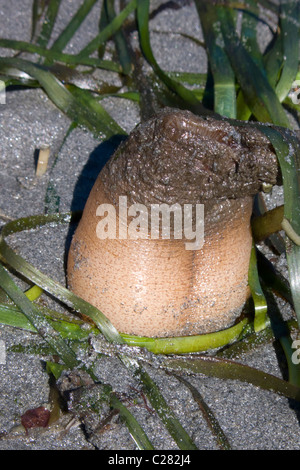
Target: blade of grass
x=137 y=433
x=223 y=76
x=69 y=329
x=272 y=278
x=119 y=39
x=287 y=149
x=268 y=223
x=194 y=79
x=282 y=334
x=259 y=96
x=188 y=344
x=48 y=23
x=160 y=405
x=34 y=18
x=227 y=369
x=290 y=32
x=273 y=59
x=38 y=320
x=61 y=293
x=188 y=96
x=259 y=210
x=250 y=20
x=208 y=415
x=68 y=59
x=103 y=22
x=81 y=110
x=108 y=31
x=260 y=304
x=88 y=102
x=69 y=31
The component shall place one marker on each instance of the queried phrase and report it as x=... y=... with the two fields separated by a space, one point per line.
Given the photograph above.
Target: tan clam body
x=158 y=288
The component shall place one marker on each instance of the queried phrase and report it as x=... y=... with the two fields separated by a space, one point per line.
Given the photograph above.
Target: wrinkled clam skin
x=158 y=288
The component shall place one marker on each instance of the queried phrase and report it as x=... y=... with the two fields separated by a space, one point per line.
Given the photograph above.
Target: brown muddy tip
x=138 y=253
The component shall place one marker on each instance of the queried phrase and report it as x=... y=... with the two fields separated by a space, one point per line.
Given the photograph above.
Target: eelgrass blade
x=267 y=223
x=81 y=110
x=60 y=293
x=48 y=23
x=226 y=369
x=69 y=31
x=108 y=31
x=272 y=278
x=136 y=431
x=262 y=220
x=250 y=17
x=103 y=22
x=119 y=39
x=260 y=304
x=34 y=18
x=38 y=320
x=98 y=115
x=273 y=60
x=281 y=59
x=250 y=20
x=287 y=149
x=158 y=402
x=208 y=415
x=282 y=334
x=290 y=31
x=223 y=75
x=188 y=96
x=189 y=344
x=53 y=55
x=10 y=315
x=259 y=96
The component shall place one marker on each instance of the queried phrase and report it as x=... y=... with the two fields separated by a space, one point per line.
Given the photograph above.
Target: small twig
x=5 y=217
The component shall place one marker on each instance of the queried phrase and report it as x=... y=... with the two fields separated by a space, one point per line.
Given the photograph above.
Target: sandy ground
x=250 y=417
